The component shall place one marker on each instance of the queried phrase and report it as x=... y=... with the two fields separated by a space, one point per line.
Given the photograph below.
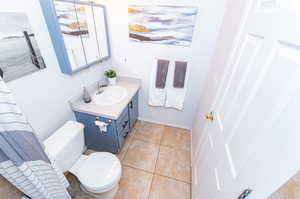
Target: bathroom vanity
x=117 y=111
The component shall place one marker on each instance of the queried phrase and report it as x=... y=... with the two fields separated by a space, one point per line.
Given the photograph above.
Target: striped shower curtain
x=23 y=161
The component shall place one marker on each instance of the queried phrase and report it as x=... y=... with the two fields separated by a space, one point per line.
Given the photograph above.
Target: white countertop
x=132 y=85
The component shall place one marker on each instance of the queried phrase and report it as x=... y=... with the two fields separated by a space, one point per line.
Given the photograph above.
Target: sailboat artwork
x=19 y=51
x=160 y=24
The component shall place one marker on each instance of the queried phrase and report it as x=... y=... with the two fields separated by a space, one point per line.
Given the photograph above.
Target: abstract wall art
x=19 y=51
x=160 y=24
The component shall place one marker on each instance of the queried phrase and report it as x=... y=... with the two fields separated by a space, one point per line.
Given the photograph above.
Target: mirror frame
x=51 y=19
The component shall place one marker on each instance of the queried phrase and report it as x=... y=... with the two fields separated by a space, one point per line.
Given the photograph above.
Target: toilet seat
x=98 y=172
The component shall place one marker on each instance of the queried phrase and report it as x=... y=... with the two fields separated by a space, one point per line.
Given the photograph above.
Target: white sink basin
x=111 y=95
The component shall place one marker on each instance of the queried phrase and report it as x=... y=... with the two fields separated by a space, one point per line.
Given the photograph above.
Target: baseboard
x=164 y=123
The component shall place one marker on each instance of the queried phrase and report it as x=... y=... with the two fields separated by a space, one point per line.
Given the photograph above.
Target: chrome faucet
x=100 y=87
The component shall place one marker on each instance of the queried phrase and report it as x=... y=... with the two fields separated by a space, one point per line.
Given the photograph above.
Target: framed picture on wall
x=162 y=24
x=19 y=52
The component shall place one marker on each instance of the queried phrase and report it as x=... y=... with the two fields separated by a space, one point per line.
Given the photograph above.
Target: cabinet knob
x=124 y=124
x=131 y=106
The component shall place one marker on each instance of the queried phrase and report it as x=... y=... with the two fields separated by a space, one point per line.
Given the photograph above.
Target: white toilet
x=98 y=173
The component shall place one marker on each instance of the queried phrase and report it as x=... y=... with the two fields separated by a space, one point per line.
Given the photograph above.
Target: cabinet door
x=122 y=127
x=94 y=138
x=133 y=110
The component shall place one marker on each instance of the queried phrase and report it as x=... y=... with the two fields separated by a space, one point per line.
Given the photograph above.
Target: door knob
x=245 y=194
x=209 y=116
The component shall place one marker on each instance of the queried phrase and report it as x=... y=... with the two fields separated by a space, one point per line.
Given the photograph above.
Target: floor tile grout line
x=127 y=148
x=156 y=161
x=180 y=150
x=145 y=172
x=137 y=138
x=171 y=178
x=158 y=174
x=149 y=172
x=134 y=137
x=130 y=141
x=160 y=142
x=150 y=188
x=145 y=141
x=176 y=148
x=190 y=183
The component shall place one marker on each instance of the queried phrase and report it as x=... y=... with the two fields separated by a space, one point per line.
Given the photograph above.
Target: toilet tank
x=66 y=145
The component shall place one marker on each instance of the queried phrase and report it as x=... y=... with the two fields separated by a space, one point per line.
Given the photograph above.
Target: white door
x=253 y=140
x=222 y=52
x=200 y=126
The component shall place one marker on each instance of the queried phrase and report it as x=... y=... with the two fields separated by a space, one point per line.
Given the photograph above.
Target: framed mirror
x=79 y=33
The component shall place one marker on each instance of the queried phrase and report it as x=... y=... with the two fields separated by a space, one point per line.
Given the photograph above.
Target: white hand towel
x=157 y=96
x=175 y=96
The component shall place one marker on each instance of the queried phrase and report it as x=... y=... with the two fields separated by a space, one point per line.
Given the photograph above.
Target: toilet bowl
x=98 y=173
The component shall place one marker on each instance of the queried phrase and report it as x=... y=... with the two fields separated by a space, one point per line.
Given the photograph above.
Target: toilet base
x=105 y=195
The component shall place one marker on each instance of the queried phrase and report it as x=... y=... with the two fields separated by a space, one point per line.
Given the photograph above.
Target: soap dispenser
x=86 y=96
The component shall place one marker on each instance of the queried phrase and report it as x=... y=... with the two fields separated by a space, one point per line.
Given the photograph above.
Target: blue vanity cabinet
x=117 y=130
x=133 y=108
x=94 y=138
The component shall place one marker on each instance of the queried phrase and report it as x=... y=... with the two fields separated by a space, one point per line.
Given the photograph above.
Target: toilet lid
x=100 y=170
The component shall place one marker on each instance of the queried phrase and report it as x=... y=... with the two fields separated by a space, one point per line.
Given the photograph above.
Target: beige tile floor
x=156 y=164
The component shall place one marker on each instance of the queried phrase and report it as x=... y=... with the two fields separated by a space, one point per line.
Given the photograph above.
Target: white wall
x=134 y=59
x=43 y=95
